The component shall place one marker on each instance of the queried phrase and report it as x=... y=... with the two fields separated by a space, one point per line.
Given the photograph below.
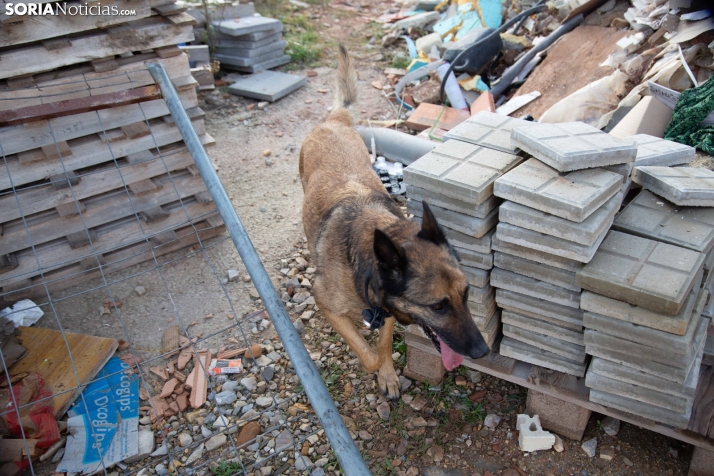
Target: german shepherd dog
x=369 y=255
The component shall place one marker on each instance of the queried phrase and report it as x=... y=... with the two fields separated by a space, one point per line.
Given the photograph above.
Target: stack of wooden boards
x=94 y=170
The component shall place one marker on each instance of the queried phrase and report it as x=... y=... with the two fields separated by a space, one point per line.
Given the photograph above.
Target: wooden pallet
x=570 y=389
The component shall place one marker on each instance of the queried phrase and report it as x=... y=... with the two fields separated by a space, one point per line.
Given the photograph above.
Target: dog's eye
x=437 y=306
x=440 y=307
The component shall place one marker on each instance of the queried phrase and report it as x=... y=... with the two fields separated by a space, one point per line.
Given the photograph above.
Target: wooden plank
x=702 y=419
x=34 y=155
x=425 y=115
x=64 y=181
x=104 y=64
x=48 y=355
x=152 y=32
x=80 y=239
x=70 y=209
x=164 y=237
x=58 y=150
x=142 y=186
x=153 y=214
x=47 y=26
x=8 y=262
x=136 y=130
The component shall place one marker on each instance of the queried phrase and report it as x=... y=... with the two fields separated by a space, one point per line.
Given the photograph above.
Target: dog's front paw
x=388 y=381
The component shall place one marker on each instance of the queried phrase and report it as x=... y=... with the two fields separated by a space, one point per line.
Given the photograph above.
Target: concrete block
x=532 y=287
x=266 y=38
x=558 y=277
x=623 y=169
x=546 y=328
x=652 y=217
x=531 y=436
x=623 y=311
x=518 y=350
x=492 y=330
x=423 y=366
x=683 y=186
x=232 y=60
x=474 y=259
x=488 y=129
x=548 y=244
x=468 y=242
x=702 y=462
x=572 y=146
x=482 y=312
x=656 y=151
x=535 y=255
x=472 y=226
x=646 y=335
x=476 y=276
x=268 y=85
x=572 y=352
x=540 y=309
x=253 y=52
x=564 y=418
x=636 y=407
x=460 y=170
x=584 y=233
x=573 y=196
x=482 y=294
x=646 y=273
x=454 y=204
x=247 y=25
x=258 y=67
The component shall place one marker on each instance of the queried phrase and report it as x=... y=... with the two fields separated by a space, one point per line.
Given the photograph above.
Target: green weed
x=226 y=469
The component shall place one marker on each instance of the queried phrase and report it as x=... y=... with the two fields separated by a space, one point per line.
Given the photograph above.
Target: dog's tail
x=346 y=81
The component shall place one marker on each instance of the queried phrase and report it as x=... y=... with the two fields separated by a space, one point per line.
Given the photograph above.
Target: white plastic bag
x=23 y=313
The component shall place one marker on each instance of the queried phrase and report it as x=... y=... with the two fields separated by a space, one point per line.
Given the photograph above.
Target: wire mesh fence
x=121 y=250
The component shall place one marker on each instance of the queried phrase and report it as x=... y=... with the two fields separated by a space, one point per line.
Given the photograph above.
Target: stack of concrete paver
x=456 y=180
x=559 y=207
x=250 y=44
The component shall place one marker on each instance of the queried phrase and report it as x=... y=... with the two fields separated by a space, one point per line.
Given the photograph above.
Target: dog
x=371 y=260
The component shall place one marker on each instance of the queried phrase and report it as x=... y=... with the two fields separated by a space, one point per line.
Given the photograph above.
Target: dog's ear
x=387 y=252
x=430 y=229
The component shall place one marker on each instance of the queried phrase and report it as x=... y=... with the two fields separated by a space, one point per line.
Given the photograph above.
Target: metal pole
x=347 y=453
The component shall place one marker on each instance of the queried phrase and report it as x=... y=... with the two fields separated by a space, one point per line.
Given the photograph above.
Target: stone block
x=653 y=150
x=540 y=309
x=482 y=294
x=246 y=62
x=535 y=255
x=636 y=407
x=566 y=350
x=573 y=196
x=474 y=259
x=423 y=366
x=584 y=233
x=557 y=415
x=653 y=217
x=573 y=146
x=683 y=186
x=646 y=273
x=476 y=227
x=253 y=52
x=248 y=25
x=488 y=129
x=536 y=325
x=548 y=274
x=476 y=276
x=454 y=204
x=518 y=350
x=548 y=244
x=460 y=170
x=531 y=436
x=261 y=65
x=532 y=287
x=702 y=462
x=623 y=311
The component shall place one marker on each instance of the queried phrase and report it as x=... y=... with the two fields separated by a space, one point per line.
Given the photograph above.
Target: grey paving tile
x=460 y=170
x=572 y=146
x=541 y=327
x=547 y=243
x=474 y=259
x=488 y=129
x=482 y=312
x=267 y=85
x=572 y=352
x=468 y=242
x=264 y=64
x=531 y=287
x=535 y=255
x=490 y=330
x=652 y=412
x=540 y=309
x=521 y=351
x=683 y=186
x=655 y=218
x=253 y=52
x=585 y=233
x=246 y=62
x=558 y=277
x=435 y=198
x=653 y=150
x=247 y=25
x=475 y=227
x=623 y=169
x=476 y=276
x=646 y=273
x=573 y=196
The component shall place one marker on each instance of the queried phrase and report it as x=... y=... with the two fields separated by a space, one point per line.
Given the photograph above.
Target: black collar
x=374 y=316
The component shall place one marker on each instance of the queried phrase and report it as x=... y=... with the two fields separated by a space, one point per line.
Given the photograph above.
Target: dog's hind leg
x=371 y=361
x=387 y=377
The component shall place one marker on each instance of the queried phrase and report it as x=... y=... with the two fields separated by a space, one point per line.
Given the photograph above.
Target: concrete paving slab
x=548 y=274
x=482 y=294
x=232 y=60
x=623 y=169
x=547 y=243
x=258 y=67
x=623 y=311
x=460 y=170
x=434 y=198
x=683 y=186
x=572 y=146
x=491 y=330
x=267 y=85
x=247 y=25
x=518 y=350
x=573 y=196
x=540 y=309
x=572 y=352
x=468 y=242
x=252 y=37
x=645 y=410
x=535 y=255
x=474 y=259
x=254 y=51
x=472 y=226
x=532 y=287
x=585 y=233
x=536 y=325
x=482 y=312
x=488 y=129
x=655 y=218
x=656 y=151
x=267 y=38
x=646 y=273
x=476 y=276
x=646 y=335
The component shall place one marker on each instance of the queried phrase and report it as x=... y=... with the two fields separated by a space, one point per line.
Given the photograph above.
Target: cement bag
x=590 y=103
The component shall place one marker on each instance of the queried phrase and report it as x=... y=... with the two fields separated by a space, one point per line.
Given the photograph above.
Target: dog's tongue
x=450 y=358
